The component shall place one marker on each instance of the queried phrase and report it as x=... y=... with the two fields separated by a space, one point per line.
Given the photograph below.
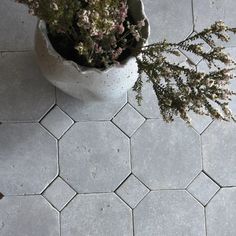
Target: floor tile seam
x=193 y=14
x=205 y=220
x=120 y=109
x=123 y=181
x=212 y=179
x=120 y=129
x=16 y=51
x=190 y=183
x=213 y=197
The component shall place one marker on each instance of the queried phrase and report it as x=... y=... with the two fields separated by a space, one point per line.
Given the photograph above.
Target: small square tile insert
x=203 y=188
x=132 y=191
x=57 y=122
x=128 y=120
x=59 y=193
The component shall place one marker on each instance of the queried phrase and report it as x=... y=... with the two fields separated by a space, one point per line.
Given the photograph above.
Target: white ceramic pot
x=88 y=84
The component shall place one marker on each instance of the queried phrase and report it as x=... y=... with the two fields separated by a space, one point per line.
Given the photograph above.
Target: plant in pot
x=96 y=50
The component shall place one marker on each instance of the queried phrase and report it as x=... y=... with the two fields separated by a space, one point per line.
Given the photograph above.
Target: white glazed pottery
x=88 y=84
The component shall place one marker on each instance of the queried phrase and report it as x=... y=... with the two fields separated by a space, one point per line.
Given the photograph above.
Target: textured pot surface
x=88 y=84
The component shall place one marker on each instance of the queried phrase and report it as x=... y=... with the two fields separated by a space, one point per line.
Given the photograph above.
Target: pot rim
x=83 y=69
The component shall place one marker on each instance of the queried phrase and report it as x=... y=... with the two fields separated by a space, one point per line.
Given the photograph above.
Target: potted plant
x=95 y=50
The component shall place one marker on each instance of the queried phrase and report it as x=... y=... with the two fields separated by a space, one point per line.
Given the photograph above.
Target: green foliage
x=179 y=88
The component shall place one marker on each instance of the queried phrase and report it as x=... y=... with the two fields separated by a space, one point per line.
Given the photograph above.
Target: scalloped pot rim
x=83 y=69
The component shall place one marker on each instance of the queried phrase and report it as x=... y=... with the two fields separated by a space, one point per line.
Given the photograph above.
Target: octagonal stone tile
x=16 y=27
x=94 y=157
x=169 y=213
x=96 y=214
x=171 y=20
x=206 y=12
x=219 y=148
x=24 y=93
x=166 y=156
x=96 y=111
x=221 y=213
x=28 y=158
x=28 y=215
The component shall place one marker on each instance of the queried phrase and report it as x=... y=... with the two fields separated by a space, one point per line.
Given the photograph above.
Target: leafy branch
x=179 y=88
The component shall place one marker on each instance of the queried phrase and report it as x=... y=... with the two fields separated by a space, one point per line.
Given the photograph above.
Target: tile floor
x=114 y=169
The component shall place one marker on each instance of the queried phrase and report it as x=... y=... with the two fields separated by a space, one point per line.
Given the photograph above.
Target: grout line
x=120 y=109
x=205 y=220
x=140 y=127
x=16 y=51
x=207 y=127
x=133 y=222
x=213 y=197
x=68 y=202
x=22 y=195
x=48 y=185
x=19 y=122
x=193 y=15
x=59 y=223
x=201 y=153
x=193 y=179
x=65 y=133
x=48 y=111
x=124 y=202
x=212 y=179
x=122 y=182
x=130 y=156
x=194 y=198
x=119 y=128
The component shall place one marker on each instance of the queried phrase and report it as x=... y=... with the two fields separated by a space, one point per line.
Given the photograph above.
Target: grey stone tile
x=132 y=191
x=94 y=157
x=206 y=12
x=221 y=213
x=16 y=27
x=28 y=215
x=28 y=158
x=166 y=156
x=25 y=95
x=59 y=193
x=169 y=213
x=128 y=120
x=57 y=122
x=171 y=20
x=96 y=214
x=203 y=188
x=81 y=111
x=219 y=148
